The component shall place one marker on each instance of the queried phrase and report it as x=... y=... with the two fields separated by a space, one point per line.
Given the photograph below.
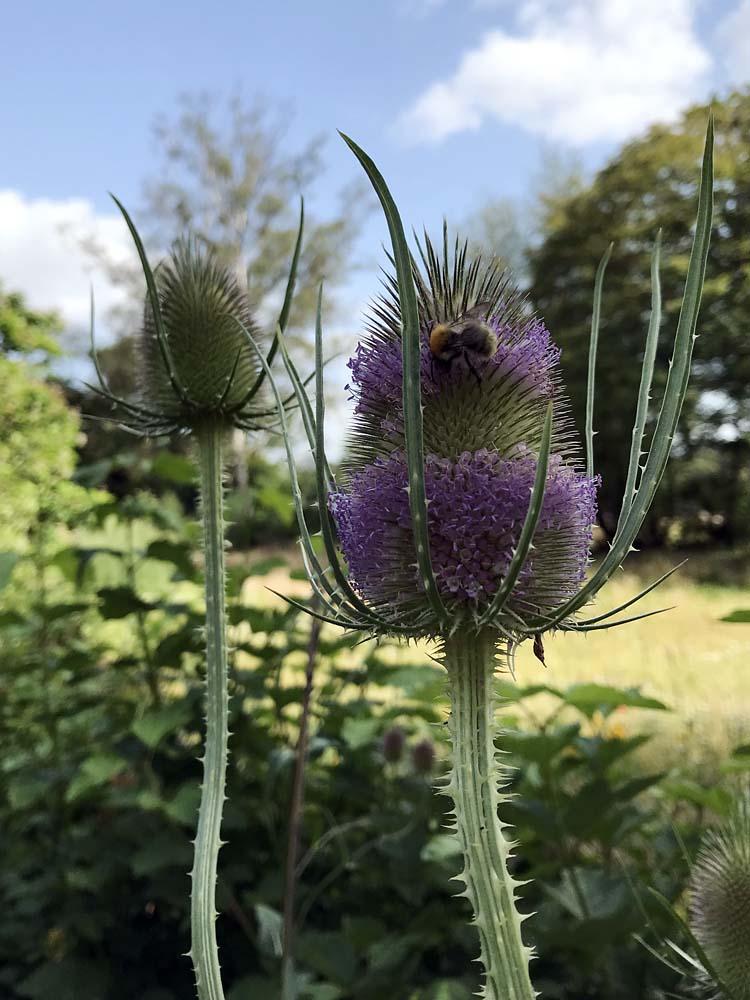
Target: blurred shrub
x=100 y=726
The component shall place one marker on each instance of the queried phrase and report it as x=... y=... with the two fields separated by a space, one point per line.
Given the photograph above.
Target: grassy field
x=687 y=657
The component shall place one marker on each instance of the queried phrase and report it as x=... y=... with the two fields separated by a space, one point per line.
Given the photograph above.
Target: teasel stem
x=474 y=786
x=204 y=950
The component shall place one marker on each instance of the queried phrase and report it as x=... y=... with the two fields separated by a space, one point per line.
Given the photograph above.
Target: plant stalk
x=204 y=950
x=295 y=820
x=473 y=786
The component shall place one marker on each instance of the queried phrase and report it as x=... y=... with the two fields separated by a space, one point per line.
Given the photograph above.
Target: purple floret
x=525 y=357
x=477 y=505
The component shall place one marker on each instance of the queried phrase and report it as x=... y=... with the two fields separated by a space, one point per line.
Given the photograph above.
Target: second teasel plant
x=465 y=509
x=201 y=373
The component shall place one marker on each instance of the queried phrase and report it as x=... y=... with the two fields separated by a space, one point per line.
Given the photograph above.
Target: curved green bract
x=412 y=391
x=644 y=390
x=153 y=296
x=593 y=344
x=674 y=396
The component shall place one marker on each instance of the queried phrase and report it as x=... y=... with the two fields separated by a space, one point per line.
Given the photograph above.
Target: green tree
x=38 y=431
x=650 y=185
x=224 y=171
x=23 y=331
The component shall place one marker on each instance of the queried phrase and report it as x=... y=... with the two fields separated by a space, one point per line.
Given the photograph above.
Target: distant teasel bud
x=394 y=741
x=720 y=900
x=209 y=369
x=423 y=756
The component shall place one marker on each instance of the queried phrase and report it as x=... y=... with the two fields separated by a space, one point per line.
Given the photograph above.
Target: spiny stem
x=204 y=950
x=473 y=786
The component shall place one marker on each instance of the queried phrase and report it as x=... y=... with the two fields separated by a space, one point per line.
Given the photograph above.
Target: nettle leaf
x=94 y=772
x=176 y=553
x=510 y=691
x=119 y=602
x=152 y=727
x=591 y=698
x=8 y=561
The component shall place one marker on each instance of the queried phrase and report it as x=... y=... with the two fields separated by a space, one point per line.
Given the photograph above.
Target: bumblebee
x=468 y=337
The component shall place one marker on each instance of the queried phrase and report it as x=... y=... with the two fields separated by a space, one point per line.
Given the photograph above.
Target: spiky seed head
x=720 y=899
x=483 y=417
x=213 y=366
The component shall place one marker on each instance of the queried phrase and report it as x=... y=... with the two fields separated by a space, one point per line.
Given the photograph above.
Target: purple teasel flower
x=464 y=507
x=483 y=421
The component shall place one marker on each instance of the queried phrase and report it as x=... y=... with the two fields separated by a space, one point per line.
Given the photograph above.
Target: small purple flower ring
x=477 y=506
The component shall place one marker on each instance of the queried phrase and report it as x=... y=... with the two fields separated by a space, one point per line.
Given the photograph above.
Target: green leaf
x=70 y=979
x=176 y=553
x=174 y=468
x=8 y=561
x=329 y=954
x=741 y=616
x=358 y=733
x=255 y=988
x=591 y=698
x=95 y=771
x=441 y=847
x=269 y=929
x=163 y=851
x=152 y=727
x=183 y=808
x=262 y=567
x=119 y=602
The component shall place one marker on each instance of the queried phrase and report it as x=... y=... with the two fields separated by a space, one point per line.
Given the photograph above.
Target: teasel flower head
x=196 y=352
x=484 y=411
x=466 y=501
x=464 y=511
x=720 y=902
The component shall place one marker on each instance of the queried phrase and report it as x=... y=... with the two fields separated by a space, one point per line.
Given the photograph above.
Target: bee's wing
x=480 y=310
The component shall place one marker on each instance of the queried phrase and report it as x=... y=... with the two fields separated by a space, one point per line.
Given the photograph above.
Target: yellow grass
x=687 y=657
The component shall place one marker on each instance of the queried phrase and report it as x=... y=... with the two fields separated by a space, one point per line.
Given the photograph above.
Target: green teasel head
x=720 y=902
x=197 y=350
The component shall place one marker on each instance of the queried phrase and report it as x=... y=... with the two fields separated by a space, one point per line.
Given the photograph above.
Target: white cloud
x=733 y=42
x=41 y=256
x=575 y=71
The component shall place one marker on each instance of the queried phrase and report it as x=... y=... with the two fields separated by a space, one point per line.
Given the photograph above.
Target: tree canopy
x=651 y=185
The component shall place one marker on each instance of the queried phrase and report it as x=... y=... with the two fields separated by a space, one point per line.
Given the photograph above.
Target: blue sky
x=455 y=99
